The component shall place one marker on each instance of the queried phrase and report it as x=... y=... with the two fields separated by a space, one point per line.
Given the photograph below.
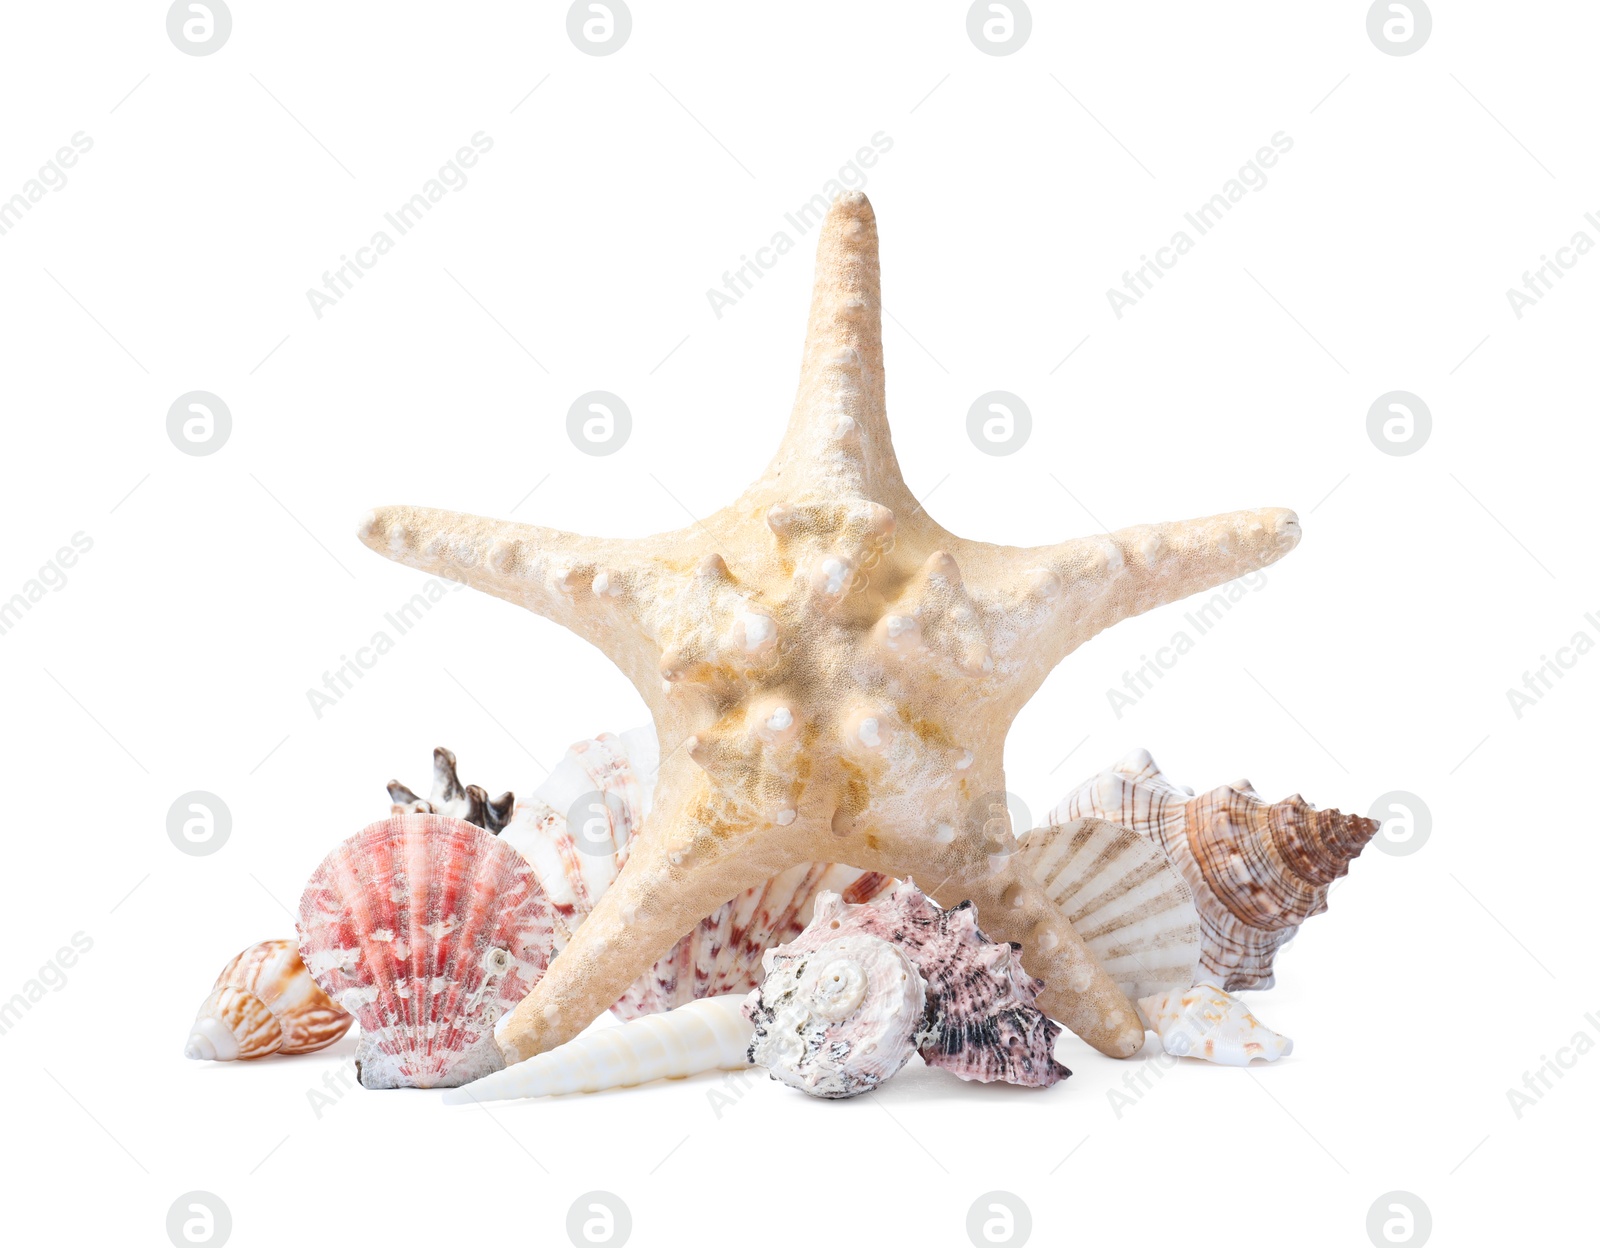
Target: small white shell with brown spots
x=1205 y=1022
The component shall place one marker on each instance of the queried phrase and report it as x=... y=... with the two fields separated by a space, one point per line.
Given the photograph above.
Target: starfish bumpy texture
x=831 y=673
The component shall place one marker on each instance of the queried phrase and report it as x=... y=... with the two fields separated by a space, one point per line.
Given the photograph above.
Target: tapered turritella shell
x=1205 y=1022
x=427 y=929
x=607 y=782
x=264 y=1001
x=838 y=1019
x=1129 y=905
x=1257 y=870
x=983 y=1021
x=709 y=1034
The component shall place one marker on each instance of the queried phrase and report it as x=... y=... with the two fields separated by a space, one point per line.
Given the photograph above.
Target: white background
x=1375 y=658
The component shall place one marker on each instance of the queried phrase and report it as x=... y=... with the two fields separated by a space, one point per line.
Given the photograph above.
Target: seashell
x=470 y=803
x=1123 y=898
x=1205 y=1022
x=611 y=778
x=428 y=930
x=264 y=1001
x=709 y=1034
x=1258 y=871
x=838 y=1019
x=983 y=1023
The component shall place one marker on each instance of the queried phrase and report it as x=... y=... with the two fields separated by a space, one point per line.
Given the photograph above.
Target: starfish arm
x=837 y=442
x=636 y=922
x=1068 y=593
x=593 y=586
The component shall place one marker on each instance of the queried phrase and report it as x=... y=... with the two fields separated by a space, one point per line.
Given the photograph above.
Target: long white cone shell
x=709 y=1034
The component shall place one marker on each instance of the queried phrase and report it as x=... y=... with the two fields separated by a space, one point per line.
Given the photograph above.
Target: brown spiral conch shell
x=1258 y=870
x=264 y=1001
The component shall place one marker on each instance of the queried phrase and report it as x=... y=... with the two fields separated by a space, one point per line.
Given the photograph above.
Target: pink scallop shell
x=427 y=929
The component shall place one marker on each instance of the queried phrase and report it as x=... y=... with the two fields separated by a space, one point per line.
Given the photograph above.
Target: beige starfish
x=832 y=674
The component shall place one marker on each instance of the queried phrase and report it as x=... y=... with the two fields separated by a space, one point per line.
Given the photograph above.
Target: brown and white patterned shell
x=264 y=1001
x=982 y=1021
x=1257 y=870
x=607 y=782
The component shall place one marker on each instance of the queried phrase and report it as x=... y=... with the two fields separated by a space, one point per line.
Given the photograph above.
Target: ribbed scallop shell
x=264 y=1001
x=616 y=776
x=428 y=929
x=1205 y=1022
x=838 y=1019
x=1124 y=900
x=1257 y=870
x=983 y=1023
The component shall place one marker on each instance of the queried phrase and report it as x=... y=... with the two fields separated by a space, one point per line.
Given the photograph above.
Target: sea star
x=831 y=673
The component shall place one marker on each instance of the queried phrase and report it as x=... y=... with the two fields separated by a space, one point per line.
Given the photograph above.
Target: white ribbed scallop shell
x=1123 y=898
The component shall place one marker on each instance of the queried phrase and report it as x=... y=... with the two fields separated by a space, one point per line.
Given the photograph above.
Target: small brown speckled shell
x=265 y=1002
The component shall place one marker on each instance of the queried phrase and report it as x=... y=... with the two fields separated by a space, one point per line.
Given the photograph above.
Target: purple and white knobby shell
x=980 y=1020
x=838 y=1019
